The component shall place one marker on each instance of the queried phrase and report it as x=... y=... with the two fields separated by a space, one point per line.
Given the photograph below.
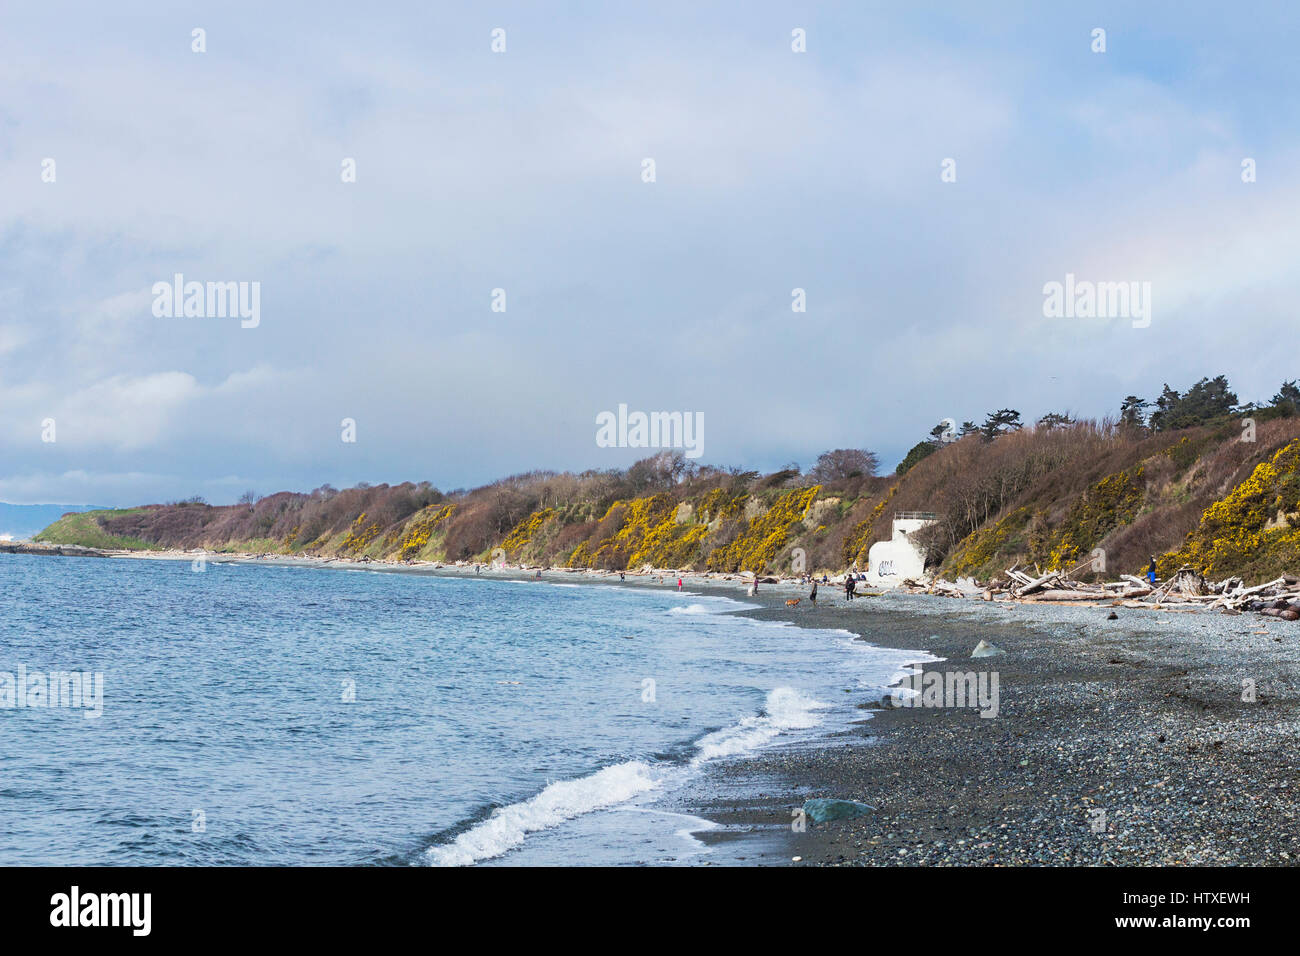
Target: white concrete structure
x=890 y=562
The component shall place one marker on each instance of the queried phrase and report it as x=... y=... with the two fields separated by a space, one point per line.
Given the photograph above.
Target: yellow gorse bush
x=1233 y=537
x=419 y=529
x=760 y=543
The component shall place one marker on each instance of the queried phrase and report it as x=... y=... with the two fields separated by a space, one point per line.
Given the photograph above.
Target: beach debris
x=985 y=649
x=1279 y=598
x=823 y=810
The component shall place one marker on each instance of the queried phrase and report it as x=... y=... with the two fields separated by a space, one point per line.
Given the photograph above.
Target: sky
x=829 y=170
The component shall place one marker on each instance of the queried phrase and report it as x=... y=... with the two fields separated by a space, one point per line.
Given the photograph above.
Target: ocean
x=258 y=714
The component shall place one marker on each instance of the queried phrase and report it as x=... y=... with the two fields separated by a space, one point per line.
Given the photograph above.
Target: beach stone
x=822 y=810
x=985 y=649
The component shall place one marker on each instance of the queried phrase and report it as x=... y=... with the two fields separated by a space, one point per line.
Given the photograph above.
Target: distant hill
x=1208 y=496
x=24 y=521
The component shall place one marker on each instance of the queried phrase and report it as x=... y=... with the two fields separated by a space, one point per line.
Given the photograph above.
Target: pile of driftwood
x=1278 y=598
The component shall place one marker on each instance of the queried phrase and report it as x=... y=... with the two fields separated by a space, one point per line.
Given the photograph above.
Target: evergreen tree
x=1207 y=400
x=921 y=450
x=1132 y=412
x=1054 y=420
x=1000 y=422
x=1287 y=398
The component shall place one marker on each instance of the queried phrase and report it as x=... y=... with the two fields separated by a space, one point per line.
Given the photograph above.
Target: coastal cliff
x=1054 y=497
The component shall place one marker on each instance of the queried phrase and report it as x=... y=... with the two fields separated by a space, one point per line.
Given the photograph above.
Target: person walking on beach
x=679 y=584
x=849 y=585
x=812 y=595
x=1151 y=571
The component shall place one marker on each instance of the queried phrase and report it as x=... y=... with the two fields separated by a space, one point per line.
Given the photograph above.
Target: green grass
x=84 y=529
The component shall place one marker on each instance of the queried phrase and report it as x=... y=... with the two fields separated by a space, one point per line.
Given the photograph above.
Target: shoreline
x=1140 y=718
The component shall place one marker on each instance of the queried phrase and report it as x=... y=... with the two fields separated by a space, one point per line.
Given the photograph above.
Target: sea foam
x=785 y=709
x=690 y=609
x=508 y=826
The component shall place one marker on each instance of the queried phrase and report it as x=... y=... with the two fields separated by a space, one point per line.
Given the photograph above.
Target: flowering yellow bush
x=859 y=541
x=721 y=505
x=1233 y=537
x=420 y=529
x=982 y=549
x=526 y=530
x=760 y=543
x=359 y=535
x=1111 y=502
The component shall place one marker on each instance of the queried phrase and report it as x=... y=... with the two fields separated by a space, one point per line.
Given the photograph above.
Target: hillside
x=1039 y=495
x=23 y=521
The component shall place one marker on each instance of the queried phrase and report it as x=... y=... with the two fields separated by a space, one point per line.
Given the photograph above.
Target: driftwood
x=1279 y=598
x=1068 y=595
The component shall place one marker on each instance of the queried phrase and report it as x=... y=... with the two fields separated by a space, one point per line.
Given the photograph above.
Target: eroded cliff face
x=1052 y=497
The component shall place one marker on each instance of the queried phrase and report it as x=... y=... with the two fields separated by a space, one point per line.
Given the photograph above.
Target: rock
x=985 y=649
x=822 y=810
x=56 y=550
x=1112 y=616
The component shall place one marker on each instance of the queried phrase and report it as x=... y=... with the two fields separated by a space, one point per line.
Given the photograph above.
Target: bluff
x=1051 y=496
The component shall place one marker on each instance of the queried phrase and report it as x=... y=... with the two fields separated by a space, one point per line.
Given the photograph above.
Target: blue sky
x=522 y=171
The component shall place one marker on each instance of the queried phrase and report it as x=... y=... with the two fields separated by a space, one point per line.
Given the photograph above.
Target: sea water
x=261 y=714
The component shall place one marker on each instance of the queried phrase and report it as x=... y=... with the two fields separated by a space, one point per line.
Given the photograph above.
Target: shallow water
x=258 y=714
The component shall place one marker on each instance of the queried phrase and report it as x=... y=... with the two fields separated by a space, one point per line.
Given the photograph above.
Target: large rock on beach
x=823 y=810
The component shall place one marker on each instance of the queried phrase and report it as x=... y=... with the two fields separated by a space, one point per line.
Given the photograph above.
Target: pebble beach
x=1119 y=741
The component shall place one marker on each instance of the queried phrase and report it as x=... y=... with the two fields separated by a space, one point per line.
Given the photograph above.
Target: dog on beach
x=791 y=602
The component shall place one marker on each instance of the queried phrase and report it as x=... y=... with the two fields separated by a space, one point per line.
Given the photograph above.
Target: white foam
x=690 y=609
x=786 y=709
x=507 y=827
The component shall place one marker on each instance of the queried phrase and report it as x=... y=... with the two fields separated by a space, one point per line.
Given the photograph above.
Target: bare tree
x=844 y=463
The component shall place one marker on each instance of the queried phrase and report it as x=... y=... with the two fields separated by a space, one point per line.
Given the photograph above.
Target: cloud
x=522 y=171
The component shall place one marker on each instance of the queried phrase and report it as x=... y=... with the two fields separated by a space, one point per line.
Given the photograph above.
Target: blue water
x=256 y=714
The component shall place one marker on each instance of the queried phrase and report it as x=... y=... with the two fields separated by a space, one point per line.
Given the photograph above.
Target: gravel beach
x=1123 y=742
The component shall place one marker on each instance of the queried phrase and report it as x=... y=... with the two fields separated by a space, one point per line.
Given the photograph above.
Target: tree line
x=1208 y=401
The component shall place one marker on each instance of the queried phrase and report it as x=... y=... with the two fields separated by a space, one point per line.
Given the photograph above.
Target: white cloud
x=775 y=170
